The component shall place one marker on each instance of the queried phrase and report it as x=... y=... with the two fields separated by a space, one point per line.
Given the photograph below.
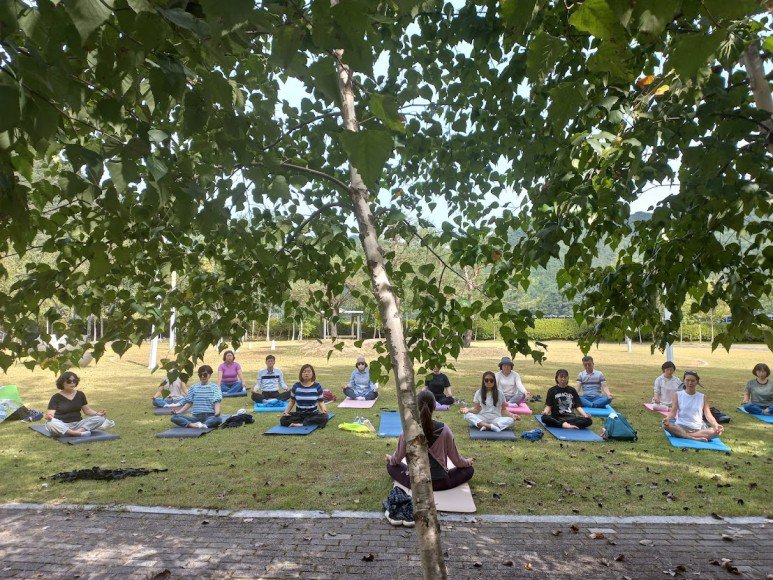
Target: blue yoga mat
x=763 y=418
x=506 y=435
x=258 y=408
x=713 y=445
x=599 y=411
x=390 y=425
x=305 y=430
x=570 y=434
x=244 y=394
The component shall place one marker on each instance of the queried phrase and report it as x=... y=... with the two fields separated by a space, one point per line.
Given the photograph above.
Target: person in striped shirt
x=268 y=383
x=306 y=398
x=204 y=397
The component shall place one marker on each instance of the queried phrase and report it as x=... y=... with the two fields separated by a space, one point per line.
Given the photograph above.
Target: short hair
x=560 y=372
x=270 y=357
x=65 y=377
x=587 y=358
x=761 y=367
x=303 y=368
x=205 y=369
x=692 y=374
x=229 y=351
x=667 y=365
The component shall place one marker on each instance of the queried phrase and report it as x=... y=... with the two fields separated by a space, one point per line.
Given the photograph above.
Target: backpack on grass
x=618 y=428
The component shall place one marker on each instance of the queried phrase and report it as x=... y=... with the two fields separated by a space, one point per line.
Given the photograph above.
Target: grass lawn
x=332 y=469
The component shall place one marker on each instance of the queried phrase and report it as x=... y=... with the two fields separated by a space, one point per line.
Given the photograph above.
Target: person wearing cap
x=509 y=382
x=360 y=387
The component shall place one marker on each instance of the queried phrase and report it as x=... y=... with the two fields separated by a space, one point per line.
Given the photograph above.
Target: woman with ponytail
x=688 y=410
x=442 y=448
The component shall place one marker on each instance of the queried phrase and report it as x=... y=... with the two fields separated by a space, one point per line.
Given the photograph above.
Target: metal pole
x=669 y=346
x=153 y=350
x=173 y=318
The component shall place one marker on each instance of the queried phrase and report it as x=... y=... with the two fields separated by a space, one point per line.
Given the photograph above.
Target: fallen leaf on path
x=163 y=575
x=619 y=557
x=368 y=558
x=527 y=566
x=604 y=562
x=509 y=563
x=477 y=565
x=646 y=542
x=597 y=536
x=574 y=529
x=716 y=516
x=556 y=532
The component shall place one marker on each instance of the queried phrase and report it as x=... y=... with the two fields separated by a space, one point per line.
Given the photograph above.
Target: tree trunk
x=760 y=87
x=467 y=339
x=427 y=523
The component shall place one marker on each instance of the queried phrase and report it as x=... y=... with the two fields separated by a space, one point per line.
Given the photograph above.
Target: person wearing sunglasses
x=205 y=397
x=360 y=387
x=490 y=411
x=63 y=416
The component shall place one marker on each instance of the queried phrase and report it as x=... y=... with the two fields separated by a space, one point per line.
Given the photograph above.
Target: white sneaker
x=360 y=399
x=241 y=412
x=199 y=425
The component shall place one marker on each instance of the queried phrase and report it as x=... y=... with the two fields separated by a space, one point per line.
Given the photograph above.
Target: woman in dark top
x=63 y=416
x=561 y=403
x=442 y=448
x=440 y=386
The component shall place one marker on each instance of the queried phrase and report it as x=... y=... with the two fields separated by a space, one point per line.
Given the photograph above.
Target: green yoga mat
x=11 y=405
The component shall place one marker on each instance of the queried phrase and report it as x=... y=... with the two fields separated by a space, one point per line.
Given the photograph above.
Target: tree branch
x=297 y=231
x=434 y=253
x=340 y=184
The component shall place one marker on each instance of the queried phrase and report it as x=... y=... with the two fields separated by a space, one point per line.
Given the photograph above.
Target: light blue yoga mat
x=506 y=435
x=390 y=425
x=305 y=430
x=599 y=411
x=570 y=434
x=713 y=445
x=258 y=408
x=763 y=418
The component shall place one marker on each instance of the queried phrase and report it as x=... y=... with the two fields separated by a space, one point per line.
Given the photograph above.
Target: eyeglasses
x=489 y=380
x=203 y=374
x=72 y=381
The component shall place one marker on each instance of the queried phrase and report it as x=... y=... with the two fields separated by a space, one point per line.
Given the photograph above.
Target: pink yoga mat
x=348 y=403
x=649 y=406
x=521 y=409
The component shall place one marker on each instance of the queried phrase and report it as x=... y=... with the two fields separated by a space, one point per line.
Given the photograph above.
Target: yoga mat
x=95 y=436
x=348 y=403
x=390 y=425
x=649 y=406
x=439 y=407
x=163 y=410
x=520 y=409
x=244 y=394
x=599 y=411
x=570 y=434
x=258 y=408
x=713 y=445
x=763 y=418
x=305 y=430
x=458 y=499
x=506 y=435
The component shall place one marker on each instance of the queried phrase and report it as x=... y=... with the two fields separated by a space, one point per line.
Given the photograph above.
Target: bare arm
x=217 y=409
x=88 y=411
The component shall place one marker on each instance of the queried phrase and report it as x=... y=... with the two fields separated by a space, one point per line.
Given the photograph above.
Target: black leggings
x=319 y=419
x=581 y=422
x=454 y=477
x=260 y=397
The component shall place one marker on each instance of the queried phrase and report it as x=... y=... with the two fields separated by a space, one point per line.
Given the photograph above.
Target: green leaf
x=368 y=152
x=285 y=45
x=228 y=15
x=9 y=11
x=9 y=105
x=565 y=100
x=731 y=10
x=598 y=18
x=768 y=44
x=279 y=190
x=384 y=107
x=325 y=79
x=88 y=15
x=517 y=15
x=653 y=15
x=157 y=168
x=157 y=136
x=613 y=58
x=120 y=346
x=140 y=5
x=542 y=56
x=186 y=20
x=692 y=51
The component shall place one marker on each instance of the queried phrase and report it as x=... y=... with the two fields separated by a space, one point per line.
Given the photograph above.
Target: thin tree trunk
x=427 y=523
x=760 y=87
x=467 y=339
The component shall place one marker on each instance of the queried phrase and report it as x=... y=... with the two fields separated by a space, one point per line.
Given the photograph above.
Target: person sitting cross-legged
x=688 y=409
x=269 y=381
x=758 y=394
x=561 y=403
x=306 y=397
x=590 y=384
x=177 y=390
x=229 y=375
x=490 y=411
x=205 y=397
x=63 y=416
x=360 y=386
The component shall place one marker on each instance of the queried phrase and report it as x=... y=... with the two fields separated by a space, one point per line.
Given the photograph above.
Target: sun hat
x=506 y=360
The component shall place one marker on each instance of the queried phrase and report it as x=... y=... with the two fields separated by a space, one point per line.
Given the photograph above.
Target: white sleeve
x=518 y=383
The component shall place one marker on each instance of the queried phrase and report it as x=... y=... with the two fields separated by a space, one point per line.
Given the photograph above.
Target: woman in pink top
x=229 y=376
x=442 y=448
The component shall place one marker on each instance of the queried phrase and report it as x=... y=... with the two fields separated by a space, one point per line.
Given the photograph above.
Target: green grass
x=331 y=469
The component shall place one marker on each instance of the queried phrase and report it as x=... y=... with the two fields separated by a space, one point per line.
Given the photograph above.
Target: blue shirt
x=360 y=382
x=306 y=398
x=591 y=383
x=271 y=381
x=203 y=397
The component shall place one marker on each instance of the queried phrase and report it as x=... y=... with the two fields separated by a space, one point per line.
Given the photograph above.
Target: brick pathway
x=88 y=542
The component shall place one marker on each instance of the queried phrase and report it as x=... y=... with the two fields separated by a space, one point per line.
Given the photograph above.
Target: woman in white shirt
x=665 y=387
x=509 y=382
x=688 y=408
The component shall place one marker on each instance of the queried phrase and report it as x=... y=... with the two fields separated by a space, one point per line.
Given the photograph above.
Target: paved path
x=71 y=542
